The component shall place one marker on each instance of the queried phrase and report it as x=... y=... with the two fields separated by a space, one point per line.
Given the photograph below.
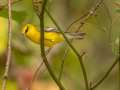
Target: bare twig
x=37 y=71
x=41 y=17
x=119 y=63
x=117 y=4
x=39 y=66
x=62 y=64
x=86 y=16
x=12 y=2
x=35 y=75
x=119 y=74
x=106 y=74
x=5 y=77
x=82 y=20
x=71 y=46
x=110 y=21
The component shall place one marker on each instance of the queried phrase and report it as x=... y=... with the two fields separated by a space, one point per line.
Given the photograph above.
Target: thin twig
x=37 y=71
x=41 y=17
x=119 y=63
x=119 y=75
x=35 y=75
x=62 y=64
x=83 y=18
x=71 y=46
x=39 y=66
x=86 y=16
x=12 y=2
x=63 y=61
x=110 y=21
x=5 y=77
x=106 y=74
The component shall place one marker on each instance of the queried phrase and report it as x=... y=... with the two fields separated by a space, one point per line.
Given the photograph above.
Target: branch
x=5 y=77
x=71 y=46
x=37 y=71
x=83 y=18
x=86 y=16
x=119 y=62
x=62 y=63
x=12 y=2
x=41 y=17
x=106 y=74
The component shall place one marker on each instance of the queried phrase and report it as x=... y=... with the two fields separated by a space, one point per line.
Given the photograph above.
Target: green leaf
x=118 y=10
x=19 y=16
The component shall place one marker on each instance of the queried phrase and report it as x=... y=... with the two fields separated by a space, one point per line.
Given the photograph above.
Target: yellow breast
x=51 y=38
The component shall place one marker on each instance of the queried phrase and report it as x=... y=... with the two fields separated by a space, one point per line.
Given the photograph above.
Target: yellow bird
x=51 y=37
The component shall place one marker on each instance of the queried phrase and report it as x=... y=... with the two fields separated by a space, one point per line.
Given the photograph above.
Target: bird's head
x=29 y=29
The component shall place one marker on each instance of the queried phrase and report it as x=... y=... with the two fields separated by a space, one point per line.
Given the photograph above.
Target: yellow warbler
x=51 y=37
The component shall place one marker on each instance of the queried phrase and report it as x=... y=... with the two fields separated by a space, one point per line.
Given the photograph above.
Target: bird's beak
x=23 y=31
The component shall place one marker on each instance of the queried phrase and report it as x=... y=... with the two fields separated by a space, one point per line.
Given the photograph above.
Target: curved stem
x=74 y=50
x=6 y=5
x=86 y=16
x=37 y=71
x=62 y=64
x=106 y=74
x=119 y=63
x=41 y=17
x=8 y=61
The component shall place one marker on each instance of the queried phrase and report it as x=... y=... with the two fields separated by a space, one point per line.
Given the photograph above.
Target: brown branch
x=86 y=16
x=39 y=7
x=39 y=66
x=41 y=17
x=5 y=77
x=119 y=62
x=62 y=63
x=72 y=47
x=106 y=74
x=37 y=71
x=12 y=2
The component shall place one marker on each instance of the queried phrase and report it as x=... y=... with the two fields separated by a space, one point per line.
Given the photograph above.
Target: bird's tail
x=70 y=35
x=77 y=35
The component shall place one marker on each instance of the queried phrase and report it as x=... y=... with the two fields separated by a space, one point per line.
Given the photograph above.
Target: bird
x=51 y=35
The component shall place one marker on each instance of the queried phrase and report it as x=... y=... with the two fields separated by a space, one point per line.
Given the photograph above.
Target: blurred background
x=100 y=45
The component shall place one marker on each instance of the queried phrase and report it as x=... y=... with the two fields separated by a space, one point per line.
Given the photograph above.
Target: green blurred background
x=100 y=45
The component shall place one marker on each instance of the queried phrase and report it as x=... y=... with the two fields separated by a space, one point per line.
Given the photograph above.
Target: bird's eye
x=26 y=30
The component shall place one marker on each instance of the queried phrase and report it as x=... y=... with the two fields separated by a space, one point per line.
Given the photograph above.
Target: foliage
x=99 y=44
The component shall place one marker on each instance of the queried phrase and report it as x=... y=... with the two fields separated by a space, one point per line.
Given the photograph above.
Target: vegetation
x=90 y=63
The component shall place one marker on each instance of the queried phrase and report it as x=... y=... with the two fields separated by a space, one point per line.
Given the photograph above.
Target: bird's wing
x=50 y=29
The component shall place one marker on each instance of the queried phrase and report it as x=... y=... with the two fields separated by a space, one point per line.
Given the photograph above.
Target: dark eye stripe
x=26 y=30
